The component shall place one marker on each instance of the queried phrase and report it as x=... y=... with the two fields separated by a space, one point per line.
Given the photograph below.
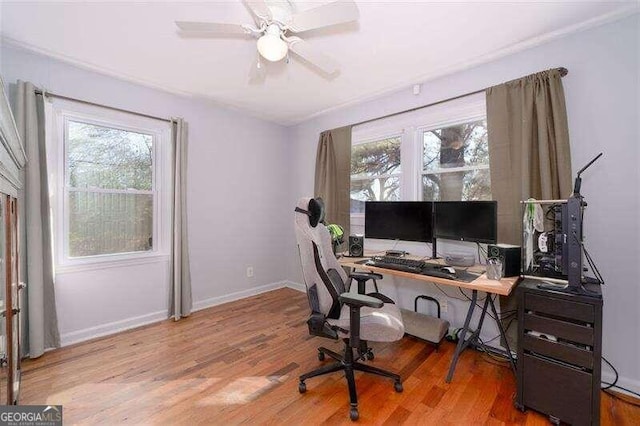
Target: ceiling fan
x=274 y=22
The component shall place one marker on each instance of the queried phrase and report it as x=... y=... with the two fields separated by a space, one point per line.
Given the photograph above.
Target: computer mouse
x=448 y=269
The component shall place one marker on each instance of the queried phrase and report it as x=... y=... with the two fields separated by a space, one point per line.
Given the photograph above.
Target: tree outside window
x=375 y=172
x=456 y=163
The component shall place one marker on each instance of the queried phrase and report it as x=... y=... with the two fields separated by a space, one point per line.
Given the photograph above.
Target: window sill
x=92 y=265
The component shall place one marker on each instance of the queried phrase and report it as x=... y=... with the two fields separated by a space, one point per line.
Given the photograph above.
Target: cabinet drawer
x=562 y=329
x=557 y=390
x=559 y=308
x=559 y=351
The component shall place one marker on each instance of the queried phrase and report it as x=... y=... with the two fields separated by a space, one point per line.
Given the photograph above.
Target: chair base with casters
x=347 y=362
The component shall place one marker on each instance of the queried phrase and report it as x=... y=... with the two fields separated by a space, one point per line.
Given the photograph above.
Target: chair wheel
x=353 y=414
x=370 y=356
x=398 y=387
x=302 y=388
x=320 y=356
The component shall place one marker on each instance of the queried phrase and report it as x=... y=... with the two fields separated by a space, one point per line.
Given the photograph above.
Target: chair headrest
x=312 y=207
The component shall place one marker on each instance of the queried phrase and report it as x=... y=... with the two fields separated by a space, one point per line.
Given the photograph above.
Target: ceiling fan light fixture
x=271 y=46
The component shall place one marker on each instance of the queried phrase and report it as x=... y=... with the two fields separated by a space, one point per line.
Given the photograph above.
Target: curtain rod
x=563 y=71
x=67 y=98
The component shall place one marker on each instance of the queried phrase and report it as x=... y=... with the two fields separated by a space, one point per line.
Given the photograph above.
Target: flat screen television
x=475 y=221
x=399 y=220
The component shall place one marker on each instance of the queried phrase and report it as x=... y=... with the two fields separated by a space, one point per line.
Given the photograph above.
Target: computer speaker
x=509 y=255
x=356 y=245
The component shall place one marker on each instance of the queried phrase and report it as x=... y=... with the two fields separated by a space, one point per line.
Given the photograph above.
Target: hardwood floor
x=239 y=362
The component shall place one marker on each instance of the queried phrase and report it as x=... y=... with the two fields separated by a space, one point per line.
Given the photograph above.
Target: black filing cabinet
x=559 y=353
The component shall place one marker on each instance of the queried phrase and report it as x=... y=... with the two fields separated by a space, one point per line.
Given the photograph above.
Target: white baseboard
x=102 y=330
x=295 y=286
x=218 y=300
x=67 y=339
x=625 y=382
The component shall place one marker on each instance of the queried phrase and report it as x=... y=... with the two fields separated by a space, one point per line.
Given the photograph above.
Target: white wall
x=239 y=209
x=602 y=94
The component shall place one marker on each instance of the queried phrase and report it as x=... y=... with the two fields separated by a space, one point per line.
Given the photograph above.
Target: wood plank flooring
x=239 y=362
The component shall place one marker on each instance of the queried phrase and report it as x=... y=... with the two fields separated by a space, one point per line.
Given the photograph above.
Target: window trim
x=62 y=111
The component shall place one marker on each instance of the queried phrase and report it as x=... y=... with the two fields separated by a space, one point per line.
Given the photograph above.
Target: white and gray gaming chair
x=336 y=313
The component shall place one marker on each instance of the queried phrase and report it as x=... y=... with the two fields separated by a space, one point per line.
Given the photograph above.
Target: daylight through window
x=110 y=190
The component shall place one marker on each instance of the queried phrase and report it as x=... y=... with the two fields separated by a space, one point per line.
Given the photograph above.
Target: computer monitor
x=475 y=221
x=399 y=220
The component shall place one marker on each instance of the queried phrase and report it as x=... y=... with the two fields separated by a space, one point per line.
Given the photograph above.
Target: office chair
x=336 y=314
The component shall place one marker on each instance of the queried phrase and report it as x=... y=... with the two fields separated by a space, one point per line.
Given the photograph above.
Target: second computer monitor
x=399 y=220
x=467 y=221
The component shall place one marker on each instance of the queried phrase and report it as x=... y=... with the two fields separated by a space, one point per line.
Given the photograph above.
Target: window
x=375 y=172
x=111 y=200
x=440 y=153
x=110 y=190
x=455 y=163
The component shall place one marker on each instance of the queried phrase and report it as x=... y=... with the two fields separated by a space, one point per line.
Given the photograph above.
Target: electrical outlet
x=249 y=271
x=444 y=306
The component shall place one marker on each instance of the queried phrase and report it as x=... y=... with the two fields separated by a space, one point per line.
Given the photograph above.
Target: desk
x=482 y=283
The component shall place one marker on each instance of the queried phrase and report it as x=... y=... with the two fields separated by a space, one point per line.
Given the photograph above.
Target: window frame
x=64 y=111
x=411 y=126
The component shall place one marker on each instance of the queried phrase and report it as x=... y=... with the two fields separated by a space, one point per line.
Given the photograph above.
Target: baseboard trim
x=296 y=286
x=625 y=382
x=102 y=330
x=219 y=300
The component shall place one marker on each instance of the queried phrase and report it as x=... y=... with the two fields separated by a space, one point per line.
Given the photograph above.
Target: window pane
x=103 y=223
x=380 y=189
x=108 y=158
x=376 y=158
x=456 y=146
x=471 y=185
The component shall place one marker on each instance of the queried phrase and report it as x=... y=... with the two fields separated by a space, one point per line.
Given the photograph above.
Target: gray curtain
x=333 y=175
x=528 y=146
x=180 y=300
x=40 y=329
x=529 y=153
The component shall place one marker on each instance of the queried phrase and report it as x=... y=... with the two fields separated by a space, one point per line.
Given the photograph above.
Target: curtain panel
x=181 y=301
x=333 y=175
x=528 y=146
x=40 y=329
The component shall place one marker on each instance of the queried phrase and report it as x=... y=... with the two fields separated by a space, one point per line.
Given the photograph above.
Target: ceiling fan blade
x=323 y=16
x=259 y=8
x=210 y=28
x=258 y=71
x=315 y=57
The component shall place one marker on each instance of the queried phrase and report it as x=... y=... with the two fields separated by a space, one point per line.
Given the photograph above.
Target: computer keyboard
x=410 y=265
x=397 y=263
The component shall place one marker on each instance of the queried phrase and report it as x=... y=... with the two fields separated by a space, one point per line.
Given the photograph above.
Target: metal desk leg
x=503 y=334
x=461 y=342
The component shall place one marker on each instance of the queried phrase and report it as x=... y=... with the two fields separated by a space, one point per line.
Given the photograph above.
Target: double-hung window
x=112 y=182
x=438 y=153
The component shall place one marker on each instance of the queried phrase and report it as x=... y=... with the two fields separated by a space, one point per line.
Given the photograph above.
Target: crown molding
x=462 y=66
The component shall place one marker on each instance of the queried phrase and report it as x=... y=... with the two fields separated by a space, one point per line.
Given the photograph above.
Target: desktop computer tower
x=509 y=255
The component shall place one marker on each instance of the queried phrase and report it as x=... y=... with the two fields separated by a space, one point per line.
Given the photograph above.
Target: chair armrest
x=365 y=276
x=360 y=300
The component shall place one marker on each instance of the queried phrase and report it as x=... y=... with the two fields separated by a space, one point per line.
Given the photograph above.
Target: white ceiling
x=393 y=45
